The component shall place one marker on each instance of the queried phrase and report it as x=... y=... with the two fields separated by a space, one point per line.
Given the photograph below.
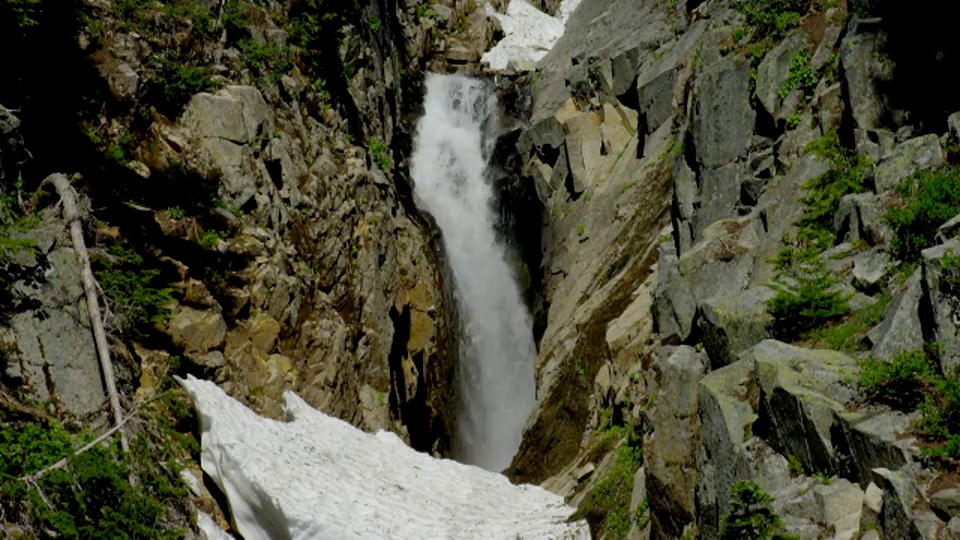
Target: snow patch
x=529 y=33
x=209 y=529
x=315 y=476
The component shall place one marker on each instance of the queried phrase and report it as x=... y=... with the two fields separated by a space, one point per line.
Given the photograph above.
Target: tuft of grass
x=14 y=221
x=607 y=506
x=847 y=335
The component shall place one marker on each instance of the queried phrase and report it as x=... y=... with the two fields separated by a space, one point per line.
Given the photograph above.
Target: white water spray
x=454 y=141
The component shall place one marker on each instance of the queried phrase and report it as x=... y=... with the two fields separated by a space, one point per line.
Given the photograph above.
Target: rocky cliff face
x=679 y=151
x=252 y=219
x=683 y=169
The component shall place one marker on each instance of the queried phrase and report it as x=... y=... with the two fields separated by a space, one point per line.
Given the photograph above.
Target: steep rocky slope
x=251 y=219
x=702 y=166
x=735 y=218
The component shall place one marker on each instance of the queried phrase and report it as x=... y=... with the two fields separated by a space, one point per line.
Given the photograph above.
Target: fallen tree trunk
x=72 y=214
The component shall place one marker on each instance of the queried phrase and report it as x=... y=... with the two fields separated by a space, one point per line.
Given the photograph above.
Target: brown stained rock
x=197 y=331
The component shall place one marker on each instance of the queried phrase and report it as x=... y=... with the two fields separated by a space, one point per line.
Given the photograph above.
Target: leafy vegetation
x=272 y=60
x=175 y=80
x=100 y=493
x=901 y=381
x=380 y=154
x=315 y=27
x=136 y=301
x=22 y=13
x=772 y=18
x=801 y=74
x=926 y=201
x=750 y=516
x=14 y=221
x=822 y=195
x=808 y=295
x=607 y=506
x=847 y=335
x=210 y=238
x=911 y=380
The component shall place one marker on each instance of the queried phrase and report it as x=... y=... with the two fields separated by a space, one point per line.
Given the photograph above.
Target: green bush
x=268 y=59
x=380 y=154
x=926 y=201
x=808 y=295
x=822 y=195
x=315 y=28
x=847 y=335
x=175 y=81
x=941 y=416
x=772 y=18
x=801 y=74
x=92 y=496
x=750 y=516
x=135 y=299
x=899 y=382
x=912 y=380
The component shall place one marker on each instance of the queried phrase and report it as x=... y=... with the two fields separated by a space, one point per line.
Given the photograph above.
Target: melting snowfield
x=315 y=476
x=529 y=33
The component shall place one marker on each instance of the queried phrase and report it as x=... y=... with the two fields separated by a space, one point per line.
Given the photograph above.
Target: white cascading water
x=455 y=138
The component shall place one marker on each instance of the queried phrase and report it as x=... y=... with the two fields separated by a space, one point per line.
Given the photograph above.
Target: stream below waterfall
x=495 y=372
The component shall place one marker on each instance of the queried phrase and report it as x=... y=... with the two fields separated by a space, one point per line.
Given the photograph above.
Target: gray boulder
x=919 y=154
x=685 y=197
x=623 y=71
x=719 y=196
x=51 y=349
x=949 y=229
x=723 y=119
x=733 y=324
x=901 y=329
x=941 y=285
x=722 y=262
x=953 y=123
x=864 y=63
x=801 y=390
x=671 y=451
x=875 y=438
x=860 y=217
x=946 y=501
x=222 y=127
x=673 y=307
x=727 y=401
x=659 y=80
x=903 y=514
x=772 y=75
x=870 y=268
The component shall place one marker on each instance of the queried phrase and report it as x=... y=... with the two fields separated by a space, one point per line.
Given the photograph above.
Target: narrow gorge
x=616 y=269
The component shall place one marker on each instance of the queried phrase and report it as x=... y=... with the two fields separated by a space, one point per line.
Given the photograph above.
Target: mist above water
x=455 y=138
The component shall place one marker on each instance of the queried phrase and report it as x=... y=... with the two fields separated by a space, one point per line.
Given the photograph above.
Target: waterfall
x=455 y=138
